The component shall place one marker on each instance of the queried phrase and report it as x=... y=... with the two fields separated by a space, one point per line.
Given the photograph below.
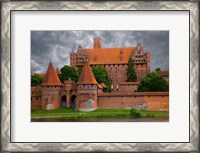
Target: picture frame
x=7 y=7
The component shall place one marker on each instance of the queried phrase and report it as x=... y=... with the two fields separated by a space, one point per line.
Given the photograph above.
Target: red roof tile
x=87 y=76
x=51 y=77
x=110 y=55
x=103 y=85
x=100 y=86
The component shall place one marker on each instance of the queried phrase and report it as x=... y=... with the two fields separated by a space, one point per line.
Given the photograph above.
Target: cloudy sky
x=57 y=45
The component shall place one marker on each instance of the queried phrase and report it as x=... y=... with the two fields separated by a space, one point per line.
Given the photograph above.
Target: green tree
x=67 y=72
x=101 y=76
x=131 y=75
x=158 y=69
x=36 y=80
x=79 y=70
x=153 y=82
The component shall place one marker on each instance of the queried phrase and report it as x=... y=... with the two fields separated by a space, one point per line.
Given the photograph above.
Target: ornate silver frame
x=7 y=6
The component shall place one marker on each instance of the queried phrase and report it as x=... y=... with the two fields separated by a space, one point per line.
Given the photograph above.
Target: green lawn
x=71 y=113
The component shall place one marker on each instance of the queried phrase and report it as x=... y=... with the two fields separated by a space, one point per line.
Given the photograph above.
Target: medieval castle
x=87 y=93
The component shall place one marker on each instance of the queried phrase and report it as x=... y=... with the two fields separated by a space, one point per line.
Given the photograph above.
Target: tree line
x=151 y=82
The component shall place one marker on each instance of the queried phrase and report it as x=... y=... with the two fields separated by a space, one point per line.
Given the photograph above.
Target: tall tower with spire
x=51 y=87
x=87 y=89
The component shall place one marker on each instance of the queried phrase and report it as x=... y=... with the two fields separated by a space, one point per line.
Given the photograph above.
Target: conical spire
x=57 y=71
x=51 y=77
x=87 y=76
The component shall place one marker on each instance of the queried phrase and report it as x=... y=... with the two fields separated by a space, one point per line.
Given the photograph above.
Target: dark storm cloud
x=56 y=45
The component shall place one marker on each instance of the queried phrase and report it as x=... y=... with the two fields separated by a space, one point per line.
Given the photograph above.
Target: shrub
x=152 y=82
x=135 y=113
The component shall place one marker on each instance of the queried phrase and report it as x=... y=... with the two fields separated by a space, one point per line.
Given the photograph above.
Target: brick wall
x=154 y=100
x=128 y=86
x=119 y=102
x=85 y=93
x=157 y=102
x=36 y=103
x=51 y=95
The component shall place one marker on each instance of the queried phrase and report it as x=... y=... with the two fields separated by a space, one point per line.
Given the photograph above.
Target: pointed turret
x=87 y=76
x=57 y=71
x=51 y=77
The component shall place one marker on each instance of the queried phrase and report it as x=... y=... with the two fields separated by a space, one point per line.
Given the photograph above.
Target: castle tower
x=97 y=43
x=51 y=87
x=87 y=89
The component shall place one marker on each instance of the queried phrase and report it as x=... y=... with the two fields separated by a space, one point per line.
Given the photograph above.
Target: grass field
x=116 y=113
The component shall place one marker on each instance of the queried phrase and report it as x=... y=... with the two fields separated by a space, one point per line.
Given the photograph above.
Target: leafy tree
x=158 y=69
x=67 y=72
x=101 y=76
x=131 y=75
x=36 y=80
x=153 y=82
x=79 y=70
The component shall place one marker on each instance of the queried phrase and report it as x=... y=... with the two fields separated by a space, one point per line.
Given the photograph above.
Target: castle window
x=36 y=98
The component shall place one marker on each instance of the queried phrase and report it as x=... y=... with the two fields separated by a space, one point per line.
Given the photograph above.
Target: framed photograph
x=109 y=76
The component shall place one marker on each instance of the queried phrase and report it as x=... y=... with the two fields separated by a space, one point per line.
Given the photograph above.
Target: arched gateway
x=72 y=101
x=63 y=100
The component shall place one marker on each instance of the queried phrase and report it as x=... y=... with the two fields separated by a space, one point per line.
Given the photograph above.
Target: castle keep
x=87 y=93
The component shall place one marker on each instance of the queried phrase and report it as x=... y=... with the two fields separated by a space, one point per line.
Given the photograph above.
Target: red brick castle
x=87 y=94
x=115 y=60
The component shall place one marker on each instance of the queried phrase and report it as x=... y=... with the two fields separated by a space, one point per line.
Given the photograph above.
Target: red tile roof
x=100 y=86
x=110 y=55
x=87 y=76
x=103 y=85
x=51 y=77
